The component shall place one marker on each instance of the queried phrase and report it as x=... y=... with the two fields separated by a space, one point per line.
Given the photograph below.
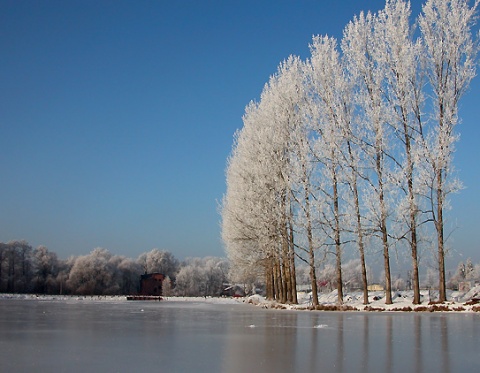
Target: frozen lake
x=103 y=336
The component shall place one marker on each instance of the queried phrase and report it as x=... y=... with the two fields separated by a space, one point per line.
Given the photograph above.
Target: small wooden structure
x=151 y=284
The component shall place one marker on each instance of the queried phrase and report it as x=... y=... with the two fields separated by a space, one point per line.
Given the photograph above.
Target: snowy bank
x=116 y=298
x=402 y=301
x=43 y=297
x=213 y=300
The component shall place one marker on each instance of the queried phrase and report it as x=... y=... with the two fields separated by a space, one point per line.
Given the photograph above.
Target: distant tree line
x=24 y=269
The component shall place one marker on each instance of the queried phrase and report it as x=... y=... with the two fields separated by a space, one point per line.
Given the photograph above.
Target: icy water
x=88 y=336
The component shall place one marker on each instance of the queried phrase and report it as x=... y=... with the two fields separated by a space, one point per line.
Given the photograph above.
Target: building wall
x=375 y=287
x=151 y=284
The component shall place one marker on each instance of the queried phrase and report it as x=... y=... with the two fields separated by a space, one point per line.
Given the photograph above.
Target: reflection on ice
x=178 y=336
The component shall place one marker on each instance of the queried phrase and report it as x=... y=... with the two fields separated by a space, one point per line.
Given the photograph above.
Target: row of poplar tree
x=352 y=149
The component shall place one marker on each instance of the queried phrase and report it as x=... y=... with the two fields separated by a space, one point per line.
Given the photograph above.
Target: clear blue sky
x=116 y=117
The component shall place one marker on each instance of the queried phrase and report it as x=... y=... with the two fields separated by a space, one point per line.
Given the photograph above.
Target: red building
x=151 y=284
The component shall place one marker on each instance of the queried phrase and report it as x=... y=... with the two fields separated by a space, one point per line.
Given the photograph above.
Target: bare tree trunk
x=361 y=246
x=364 y=270
x=276 y=280
x=313 y=275
x=309 y=228
x=279 y=290
x=416 y=281
x=412 y=206
x=338 y=247
x=285 y=247
x=442 y=292
x=383 y=230
x=359 y=228
x=283 y=284
x=413 y=217
x=339 y=276
x=291 y=251
x=386 y=261
x=287 y=290
x=311 y=253
x=269 y=280
x=313 y=278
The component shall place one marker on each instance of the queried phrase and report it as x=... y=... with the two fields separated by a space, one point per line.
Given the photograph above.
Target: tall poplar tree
x=403 y=95
x=450 y=59
x=360 y=44
x=330 y=120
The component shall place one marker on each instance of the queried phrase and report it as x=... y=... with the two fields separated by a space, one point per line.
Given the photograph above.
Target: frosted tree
x=399 y=284
x=216 y=275
x=128 y=272
x=330 y=117
x=363 y=155
x=362 y=43
x=303 y=193
x=450 y=61
x=93 y=274
x=248 y=280
x=202 y=277
x=190 y=281
x=246 y=206
x=290 y=106
x=355 y=179
x=16 y=266
x=257 y=211
x=431 y=278
x=45 y=270
x=400 y=57
x=303 y=274
x=161 y=261
x=64 y=266
x=284 y=101
x=327 y=277
x=352 y=274
x=476 y=271
x=167 y=287
x=469 y=270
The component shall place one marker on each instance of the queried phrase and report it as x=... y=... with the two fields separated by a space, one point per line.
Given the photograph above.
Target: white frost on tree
x=450 y=63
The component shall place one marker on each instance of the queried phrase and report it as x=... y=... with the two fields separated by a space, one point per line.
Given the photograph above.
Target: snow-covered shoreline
x=117 y=298
x=402 y=301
